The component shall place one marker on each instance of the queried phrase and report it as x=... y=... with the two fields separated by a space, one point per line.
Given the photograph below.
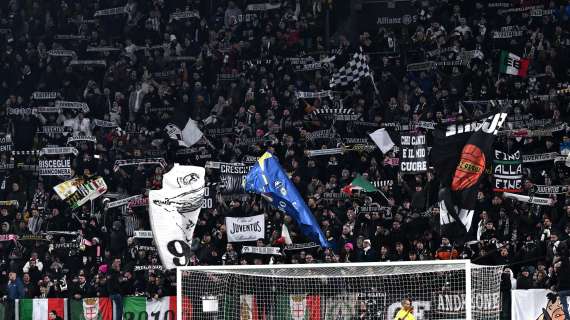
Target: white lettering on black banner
x=507 y=171
x=413 y=153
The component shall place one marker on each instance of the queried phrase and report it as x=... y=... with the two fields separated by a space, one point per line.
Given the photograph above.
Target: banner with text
x=413 y=152
x=507 y=171
x=240 y=229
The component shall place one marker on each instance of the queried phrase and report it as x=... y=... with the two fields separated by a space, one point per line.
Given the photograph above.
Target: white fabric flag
x=174 y=211
x=382 y=139
x=534 y=304
x=285 y=234
x=191 y=134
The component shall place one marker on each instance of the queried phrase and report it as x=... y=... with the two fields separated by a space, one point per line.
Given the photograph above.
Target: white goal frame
x=467 y=266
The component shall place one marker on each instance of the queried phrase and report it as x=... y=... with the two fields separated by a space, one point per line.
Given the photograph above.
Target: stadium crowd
x=161 y=69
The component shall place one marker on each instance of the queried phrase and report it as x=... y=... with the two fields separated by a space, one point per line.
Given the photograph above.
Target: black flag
x=460 y=154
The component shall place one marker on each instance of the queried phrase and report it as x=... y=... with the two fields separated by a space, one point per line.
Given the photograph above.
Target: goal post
x=438 y=290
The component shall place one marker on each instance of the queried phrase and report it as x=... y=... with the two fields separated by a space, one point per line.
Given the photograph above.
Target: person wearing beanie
x=367 y=253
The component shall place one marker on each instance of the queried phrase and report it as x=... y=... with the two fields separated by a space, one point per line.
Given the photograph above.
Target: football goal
x=438 y=290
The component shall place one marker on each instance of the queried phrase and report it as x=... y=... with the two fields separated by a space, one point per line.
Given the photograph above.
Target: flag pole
x=374 y=83
x=383 y=195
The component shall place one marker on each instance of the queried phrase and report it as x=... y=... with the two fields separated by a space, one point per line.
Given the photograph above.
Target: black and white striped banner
x=9 y=203
x=310 y=66
x=263 y=6
x=122 y=202
x=524 y=133
x=135 y=162
x=217 y=132
x=312 y=95
x=70 y=37
x=261 y=250
x=102 y=49
x=103 y=123
x=82 y=139
x=61 y=53
x=527 y=199
x=250 y=141
x=44 y=95
x=382 y=183
x=101 y=63
x=539 y=157
x=321 y=135
x=143 y=234
x=338 y=114
x=26 y=152
x=184 y=15
x=110 y=12
x=74 y=105
x=248 y=17
x=229 y=76
x=323 y=152
x=542 y=189
x=59 y=150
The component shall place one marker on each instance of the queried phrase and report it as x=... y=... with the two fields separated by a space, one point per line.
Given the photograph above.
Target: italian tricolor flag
x=513 y=64
x=39 y=309
x=91 y=309
x=299 y=307
x=359 y=184
x=249 y=309
x=137 y=306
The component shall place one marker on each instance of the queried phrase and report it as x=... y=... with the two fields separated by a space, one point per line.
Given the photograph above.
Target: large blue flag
x=267 y=177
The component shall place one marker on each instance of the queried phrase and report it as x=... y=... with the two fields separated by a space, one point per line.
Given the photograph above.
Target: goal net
x=438 y=290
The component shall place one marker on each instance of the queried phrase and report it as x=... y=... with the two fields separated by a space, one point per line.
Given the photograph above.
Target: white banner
x=143 y=234
x=312 y=95
x=122 y=202
x=323 y=152
x=110 y=11
x=261 y=250
x=535 y=304
x=74 y=105
x=61 y=53
x=82 y=138
x=246 y=228
x=102 y=63
x=59 y=150
x=43 y=95
x=263 y=6
x=173 y=212
x=533 y=200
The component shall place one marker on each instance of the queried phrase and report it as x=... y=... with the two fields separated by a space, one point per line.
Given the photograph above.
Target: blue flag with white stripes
x=267 y=178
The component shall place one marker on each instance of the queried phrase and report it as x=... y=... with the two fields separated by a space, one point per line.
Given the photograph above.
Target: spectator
x=446 y=250
x=524 y=281
x=367 y=253
x=15 y=288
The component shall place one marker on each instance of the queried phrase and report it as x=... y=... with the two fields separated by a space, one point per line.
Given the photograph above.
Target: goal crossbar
x=452 y=284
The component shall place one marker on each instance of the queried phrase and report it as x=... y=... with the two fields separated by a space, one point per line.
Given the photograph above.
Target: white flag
x=382 y=140
x=285 y=234
x=174 y=211
x=191 y=133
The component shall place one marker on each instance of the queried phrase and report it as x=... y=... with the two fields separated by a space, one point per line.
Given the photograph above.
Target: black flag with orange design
x=459 y=155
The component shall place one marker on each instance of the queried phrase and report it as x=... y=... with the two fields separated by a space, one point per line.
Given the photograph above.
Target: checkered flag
x=355 y=69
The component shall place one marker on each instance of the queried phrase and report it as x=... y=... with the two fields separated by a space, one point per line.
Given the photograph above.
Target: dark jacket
x=15 y=289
